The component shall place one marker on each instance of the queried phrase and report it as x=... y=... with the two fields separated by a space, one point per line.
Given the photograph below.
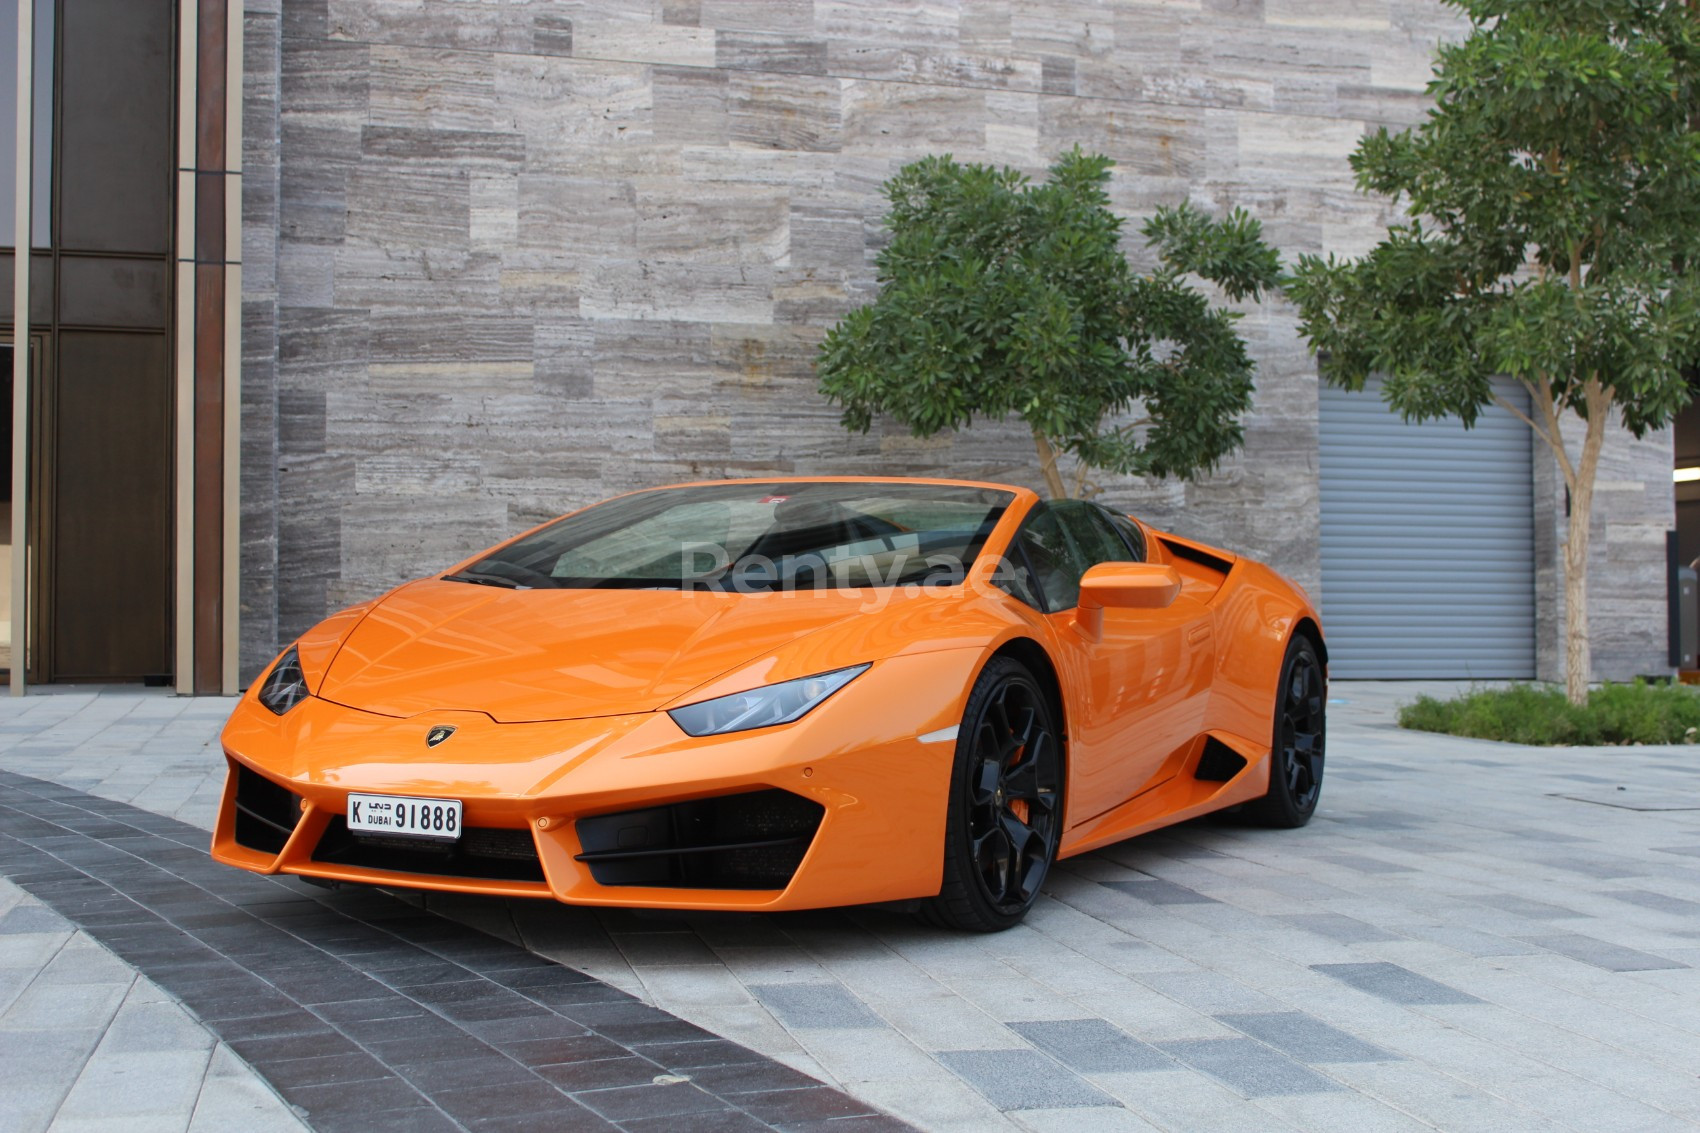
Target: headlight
x=286 y=686
x=762 y=707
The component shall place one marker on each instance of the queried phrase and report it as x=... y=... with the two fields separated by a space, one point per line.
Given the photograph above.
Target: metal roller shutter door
x=1428 y=565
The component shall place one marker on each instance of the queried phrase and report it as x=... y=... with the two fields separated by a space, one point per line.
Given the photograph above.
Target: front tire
x=1295 y=757
x=1005 y=816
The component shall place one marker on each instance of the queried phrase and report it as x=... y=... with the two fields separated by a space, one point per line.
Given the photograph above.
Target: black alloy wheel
x=1005 y=817
x=1295 y=763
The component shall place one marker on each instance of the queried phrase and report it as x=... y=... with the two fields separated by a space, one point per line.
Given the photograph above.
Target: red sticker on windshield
x=774 y=499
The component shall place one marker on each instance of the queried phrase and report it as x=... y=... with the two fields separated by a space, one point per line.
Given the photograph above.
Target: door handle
x=1198 y=633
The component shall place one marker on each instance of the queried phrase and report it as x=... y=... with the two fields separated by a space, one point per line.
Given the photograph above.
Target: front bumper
x=855 y=764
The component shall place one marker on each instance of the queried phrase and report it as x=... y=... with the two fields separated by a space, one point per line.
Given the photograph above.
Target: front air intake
x=266 y=814
x=484 y=853
x=754 y=840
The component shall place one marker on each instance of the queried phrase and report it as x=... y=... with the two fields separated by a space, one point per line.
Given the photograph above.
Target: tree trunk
x=1048 y=466
x=1578 y=660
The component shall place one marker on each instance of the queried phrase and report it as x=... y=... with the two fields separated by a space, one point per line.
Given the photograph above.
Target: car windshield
x=756 y=537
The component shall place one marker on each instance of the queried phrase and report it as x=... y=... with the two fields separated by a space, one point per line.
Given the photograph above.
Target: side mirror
x=1124 y=586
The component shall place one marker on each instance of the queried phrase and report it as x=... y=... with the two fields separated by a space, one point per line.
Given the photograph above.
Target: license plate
x=438 y=819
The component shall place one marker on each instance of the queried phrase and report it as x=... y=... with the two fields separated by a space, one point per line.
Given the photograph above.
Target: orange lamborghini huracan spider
x=782 y=694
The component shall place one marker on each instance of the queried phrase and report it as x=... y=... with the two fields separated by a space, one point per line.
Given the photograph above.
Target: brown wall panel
x=115 y=158
x=209 y=479
x=113 y=292
x=111 y=549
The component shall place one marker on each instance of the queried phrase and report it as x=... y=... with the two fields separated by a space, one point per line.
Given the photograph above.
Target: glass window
x=1061 y=540
x=759 y=536
x=1131 y=531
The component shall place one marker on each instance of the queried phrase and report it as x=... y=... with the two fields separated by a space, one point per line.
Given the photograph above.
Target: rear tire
x=1005 y=816
x=1296 y=752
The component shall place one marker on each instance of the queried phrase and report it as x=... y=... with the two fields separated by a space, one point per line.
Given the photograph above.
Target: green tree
x=1554 y=237
x=1004 y=298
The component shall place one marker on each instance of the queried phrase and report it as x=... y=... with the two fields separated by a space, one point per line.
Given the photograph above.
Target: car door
x=1137 y=693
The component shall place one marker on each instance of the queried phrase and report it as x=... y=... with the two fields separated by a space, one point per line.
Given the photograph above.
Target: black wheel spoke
x=1013 y=786
x=1299 y=734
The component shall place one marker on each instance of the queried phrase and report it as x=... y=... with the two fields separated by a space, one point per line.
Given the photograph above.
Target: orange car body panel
x=558 y=699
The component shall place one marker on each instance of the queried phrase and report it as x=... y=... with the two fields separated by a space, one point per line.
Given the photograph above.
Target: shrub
x=1638 y=713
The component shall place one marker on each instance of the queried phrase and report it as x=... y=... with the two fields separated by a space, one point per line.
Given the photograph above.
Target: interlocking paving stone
x=279 y=975
x=1250 y=1067
x=1603 y=953
x=32 y=918
x=1602 y=867
x=1022 y=1079
x=1092 y=1046
x=1336 y=926
x=1661 y=902
x=1363 y=863
x=1160 y=892
x=1531 y=910
x=814 y=1005
x=1306 y=1038
x=1685 y=851
x=1395 y=984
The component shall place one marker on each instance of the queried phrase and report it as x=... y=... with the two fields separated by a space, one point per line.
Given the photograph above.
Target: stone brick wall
x=507 y=258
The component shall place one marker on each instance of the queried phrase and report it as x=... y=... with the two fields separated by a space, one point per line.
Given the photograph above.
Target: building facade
x=498 y=260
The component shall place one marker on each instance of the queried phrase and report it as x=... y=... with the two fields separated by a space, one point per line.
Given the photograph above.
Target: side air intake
x=1219 y=762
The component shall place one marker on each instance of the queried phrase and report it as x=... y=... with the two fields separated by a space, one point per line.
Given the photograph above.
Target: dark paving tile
x=811 y=1103
x=419 y=1118
x=1249 y=1067
x=601 y=1073
x=1393 y=983
x=570 y=1117
x=1684 y=851
x=571 y=1048
x=866 y=1123
x=1092 y=1046
x=1604 y=868
x=1602 y=953
x=1160 y=892
x=500 y=1099
x=463 y=1072
x=814 y=1005
x=750 y=1077
x=324 y=1070
x=1344 y=929
x=1530 y=910
x=700 y=1053
x=730 y=1121
x=373 y=1015
x=352 y=1097
x=1660 y=902
x=682 y=1100
x=1306 y=1038
x=1363 y=864
x=1022 y=1079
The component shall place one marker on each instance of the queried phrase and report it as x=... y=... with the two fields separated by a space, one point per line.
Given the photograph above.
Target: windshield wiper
x=479 y=579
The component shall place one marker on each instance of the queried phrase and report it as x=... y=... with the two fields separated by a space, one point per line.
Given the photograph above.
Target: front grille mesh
x=266 y=813
x=754 y=840
x=482 y=853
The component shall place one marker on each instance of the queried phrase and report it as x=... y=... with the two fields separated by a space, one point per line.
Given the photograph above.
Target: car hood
x=532 y=655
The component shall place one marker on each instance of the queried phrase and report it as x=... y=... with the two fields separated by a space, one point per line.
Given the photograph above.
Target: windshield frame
x=889 y=554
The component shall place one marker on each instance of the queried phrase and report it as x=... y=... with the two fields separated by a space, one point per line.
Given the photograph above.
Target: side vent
x=1198 y=555
x=1219 y=763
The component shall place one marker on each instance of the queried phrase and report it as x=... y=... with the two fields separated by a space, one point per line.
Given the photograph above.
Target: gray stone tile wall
x=507 y=259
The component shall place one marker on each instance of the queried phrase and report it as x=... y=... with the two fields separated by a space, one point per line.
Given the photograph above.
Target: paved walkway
x=1469 y=936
